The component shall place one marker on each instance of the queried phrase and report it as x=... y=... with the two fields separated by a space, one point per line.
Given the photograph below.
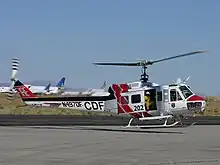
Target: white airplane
x=33 y=88
x=47 y=89
x=91 y=92
x=4 y=89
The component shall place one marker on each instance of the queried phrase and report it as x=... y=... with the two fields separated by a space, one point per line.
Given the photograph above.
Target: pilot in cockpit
x=147 y=100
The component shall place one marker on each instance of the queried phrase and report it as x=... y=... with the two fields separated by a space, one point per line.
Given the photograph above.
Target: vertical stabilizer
x=61 y=82
x=23 y=91
x=47 y=88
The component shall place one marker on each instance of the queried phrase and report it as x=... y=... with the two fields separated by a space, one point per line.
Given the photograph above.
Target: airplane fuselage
x=4 y=89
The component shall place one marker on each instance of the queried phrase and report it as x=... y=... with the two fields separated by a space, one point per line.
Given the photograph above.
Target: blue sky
x=55 y=38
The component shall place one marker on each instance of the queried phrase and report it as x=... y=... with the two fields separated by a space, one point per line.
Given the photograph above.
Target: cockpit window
x=185 y=91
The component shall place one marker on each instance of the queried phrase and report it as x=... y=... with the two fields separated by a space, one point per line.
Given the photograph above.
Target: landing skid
x=165 y=125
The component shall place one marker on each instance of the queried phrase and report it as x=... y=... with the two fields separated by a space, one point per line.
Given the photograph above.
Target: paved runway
x=97 y=145
x=63 y=120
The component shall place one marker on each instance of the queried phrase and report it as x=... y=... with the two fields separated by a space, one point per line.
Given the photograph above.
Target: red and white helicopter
x=172 y=101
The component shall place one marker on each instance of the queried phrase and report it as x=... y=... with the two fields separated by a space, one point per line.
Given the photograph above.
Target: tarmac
x=109 y=145
x=64 y=120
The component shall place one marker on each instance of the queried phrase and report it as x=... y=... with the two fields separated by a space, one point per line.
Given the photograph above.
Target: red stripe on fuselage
x=116 y=90
x=125 y=108
x=122 y=108
x=124 y=88
x=196 y=98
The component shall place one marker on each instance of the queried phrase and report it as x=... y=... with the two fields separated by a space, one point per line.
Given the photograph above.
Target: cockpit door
x=176 y=101
x=136 y=101
x=160 y=103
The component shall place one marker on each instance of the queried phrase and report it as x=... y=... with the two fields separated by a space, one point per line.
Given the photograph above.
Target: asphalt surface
x=56 y=120
x=111 y=145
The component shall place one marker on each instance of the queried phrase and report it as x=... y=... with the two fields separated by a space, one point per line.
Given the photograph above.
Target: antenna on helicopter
x=144 y=63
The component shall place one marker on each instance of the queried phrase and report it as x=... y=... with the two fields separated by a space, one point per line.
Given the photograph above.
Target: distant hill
x=75 y=89
x=201 y=94
x=44 y=83
x=4 y=84
x=41 y=83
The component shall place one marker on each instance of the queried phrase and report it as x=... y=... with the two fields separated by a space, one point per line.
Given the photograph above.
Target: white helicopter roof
x=139 y=85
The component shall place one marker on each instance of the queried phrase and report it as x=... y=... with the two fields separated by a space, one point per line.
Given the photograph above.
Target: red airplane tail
x=23 y=91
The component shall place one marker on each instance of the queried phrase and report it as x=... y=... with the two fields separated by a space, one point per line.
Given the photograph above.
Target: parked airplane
x=142 y=100
x=34 y=88
x=38 y=89
x=4 y=89
x=47 y=89
x=91 y=92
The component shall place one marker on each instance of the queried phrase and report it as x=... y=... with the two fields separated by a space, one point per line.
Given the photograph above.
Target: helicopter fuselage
x=128 y=98
x=164 y=100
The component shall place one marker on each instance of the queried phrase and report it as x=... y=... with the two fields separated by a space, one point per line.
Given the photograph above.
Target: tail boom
x=85 y=103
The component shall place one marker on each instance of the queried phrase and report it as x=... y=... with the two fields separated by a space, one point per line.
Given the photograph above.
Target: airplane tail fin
x=61 y=82
x=104 y=85
x=47 y=88
x=23 y=91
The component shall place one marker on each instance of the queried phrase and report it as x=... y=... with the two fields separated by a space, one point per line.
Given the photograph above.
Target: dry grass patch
x=17 y=106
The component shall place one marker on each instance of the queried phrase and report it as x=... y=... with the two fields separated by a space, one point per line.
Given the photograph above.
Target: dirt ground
x=16 y=106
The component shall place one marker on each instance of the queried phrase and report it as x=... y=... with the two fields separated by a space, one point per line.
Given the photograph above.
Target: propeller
x=15 y=68
x=145 y=63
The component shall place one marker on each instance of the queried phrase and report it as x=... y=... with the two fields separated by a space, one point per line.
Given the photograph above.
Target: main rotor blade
x=181 y=55
x=145 y=62
x=118 y=64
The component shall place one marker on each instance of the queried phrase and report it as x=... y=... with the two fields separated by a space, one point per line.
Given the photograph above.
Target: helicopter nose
x=196 y=103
